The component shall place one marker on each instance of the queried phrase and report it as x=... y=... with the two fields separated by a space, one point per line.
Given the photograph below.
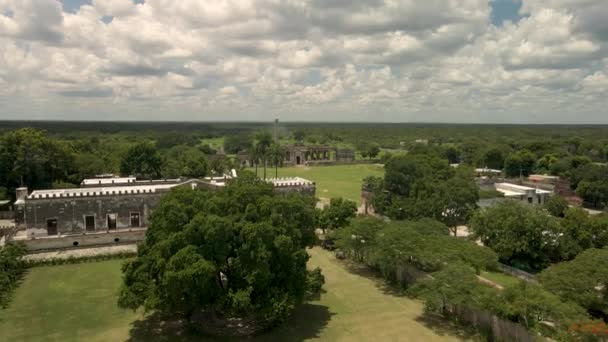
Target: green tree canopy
x=582 y=280
x=520 y=164
x=142 y=160
x=29 y=158
x=338 y=214
x=522 y=235
x=556 y=205
x=183 y=161
x=236 y=252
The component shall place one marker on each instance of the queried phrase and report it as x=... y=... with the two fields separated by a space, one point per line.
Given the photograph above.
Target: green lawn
x=78 y=303
x=500 y=278
x=333 y=181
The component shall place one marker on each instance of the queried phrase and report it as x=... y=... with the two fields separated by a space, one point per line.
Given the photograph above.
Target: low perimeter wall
x=92 y=239
x=338 y=162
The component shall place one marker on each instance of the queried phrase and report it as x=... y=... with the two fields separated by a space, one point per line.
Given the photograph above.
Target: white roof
x=510 y=189
x=480 y=170
x=513 y=186
x=99 y=191
x=106 y=181
x=289 y=181
x=508 y=193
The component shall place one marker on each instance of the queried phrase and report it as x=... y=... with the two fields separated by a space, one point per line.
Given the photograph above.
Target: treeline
x=528 y=238
x=567 y=246
x=443 y=271
x=32 y=158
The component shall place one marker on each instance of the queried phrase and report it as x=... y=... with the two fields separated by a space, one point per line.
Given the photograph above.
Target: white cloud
x=393 y=60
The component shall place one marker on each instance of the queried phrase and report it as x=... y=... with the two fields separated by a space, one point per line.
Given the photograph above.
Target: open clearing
x=78 y=303
x=332 y=181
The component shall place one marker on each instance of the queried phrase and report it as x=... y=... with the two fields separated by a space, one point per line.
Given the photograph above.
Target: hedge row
x=12 y=268
x=78 y=260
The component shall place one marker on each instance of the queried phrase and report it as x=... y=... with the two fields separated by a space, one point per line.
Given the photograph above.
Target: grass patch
x=501 y=278
x=78 y=303
x=333 y=181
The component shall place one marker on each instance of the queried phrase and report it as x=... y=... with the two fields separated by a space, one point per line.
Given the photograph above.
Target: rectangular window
x=51 y=226
x=134 y=219
x=111 y=221
x=89 y=222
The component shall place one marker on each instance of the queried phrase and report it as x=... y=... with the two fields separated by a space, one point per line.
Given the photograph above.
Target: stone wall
x=82 y=240
x=70 y=212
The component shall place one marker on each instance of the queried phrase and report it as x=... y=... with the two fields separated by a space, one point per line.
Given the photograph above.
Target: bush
x=12 y=268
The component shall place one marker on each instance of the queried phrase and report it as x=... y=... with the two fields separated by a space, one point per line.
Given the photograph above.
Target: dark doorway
x=89 y=222
x=134 y=219
x=111 y=221
x=51 y=226
x=298 y=160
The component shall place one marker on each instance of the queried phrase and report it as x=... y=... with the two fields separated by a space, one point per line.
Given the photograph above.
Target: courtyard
x=332 y=181
x=78 y=302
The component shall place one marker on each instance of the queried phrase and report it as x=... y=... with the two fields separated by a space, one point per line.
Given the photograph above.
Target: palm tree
x=263 y=142
x=277 y=156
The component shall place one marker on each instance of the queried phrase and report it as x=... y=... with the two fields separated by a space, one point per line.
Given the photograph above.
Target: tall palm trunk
x=264 y=168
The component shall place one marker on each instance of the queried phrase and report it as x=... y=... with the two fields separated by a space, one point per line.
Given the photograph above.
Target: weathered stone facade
x=70 y=211
x=294 y=184
x=299 y=154
x=345 y=155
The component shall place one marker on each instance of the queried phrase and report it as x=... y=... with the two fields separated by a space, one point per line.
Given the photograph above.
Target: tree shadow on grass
x=306 y=322
x=445 y=327
x=380 y=282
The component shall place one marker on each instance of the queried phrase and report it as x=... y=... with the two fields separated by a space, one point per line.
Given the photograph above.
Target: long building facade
x=107 y=210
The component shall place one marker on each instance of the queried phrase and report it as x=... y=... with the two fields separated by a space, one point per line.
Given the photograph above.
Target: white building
x=523 y=193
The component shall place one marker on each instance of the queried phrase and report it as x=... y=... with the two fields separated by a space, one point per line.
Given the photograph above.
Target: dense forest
x=42 y=154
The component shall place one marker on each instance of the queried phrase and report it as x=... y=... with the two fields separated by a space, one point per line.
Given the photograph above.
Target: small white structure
x=523 y=193
x=481 y=172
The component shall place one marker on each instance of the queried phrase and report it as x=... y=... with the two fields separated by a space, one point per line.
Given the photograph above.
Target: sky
x=461 y=61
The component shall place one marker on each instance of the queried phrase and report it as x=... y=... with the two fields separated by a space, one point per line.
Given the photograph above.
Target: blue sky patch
x=505 y=10
x=73 y=5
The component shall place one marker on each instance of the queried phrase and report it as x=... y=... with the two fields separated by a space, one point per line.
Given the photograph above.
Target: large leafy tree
x=184 y=161
x=529 y=304
x=338 y=214
x=142 y=160
x=29 y=158
x=556 y=206
x=582 y=280
x=520 y=164
x=235 y=252
x=523 y=236
x=494 y=158
x=417 y=186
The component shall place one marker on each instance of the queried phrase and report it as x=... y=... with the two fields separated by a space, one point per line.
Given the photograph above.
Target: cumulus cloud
x=389 y=60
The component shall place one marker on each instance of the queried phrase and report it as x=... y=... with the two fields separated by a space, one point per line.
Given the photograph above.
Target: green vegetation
x=528 y=238
x=419 y=185
x=78 y=302
x=500 y=278
x=12 y=268
x=582 y=280
x=335 y=181
x=408 y=252
x=68 y=303
x=238 y=252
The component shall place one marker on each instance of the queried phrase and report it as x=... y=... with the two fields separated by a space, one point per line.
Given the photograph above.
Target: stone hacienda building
x=300 y=154
x=107 y=210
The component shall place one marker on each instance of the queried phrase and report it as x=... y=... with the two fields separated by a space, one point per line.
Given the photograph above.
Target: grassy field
x=78 y=303
x=333 y=181
x=500 y=278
